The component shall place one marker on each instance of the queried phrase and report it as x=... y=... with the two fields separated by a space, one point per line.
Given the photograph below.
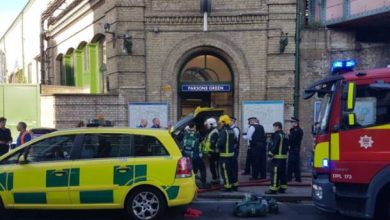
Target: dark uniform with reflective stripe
x=278 y=152
x=210 y=148
x=295 y=139
x=226 y=154
x=258 y=152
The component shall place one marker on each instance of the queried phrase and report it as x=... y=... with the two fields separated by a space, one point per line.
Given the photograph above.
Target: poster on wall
x=144 y=110
x=267 y=112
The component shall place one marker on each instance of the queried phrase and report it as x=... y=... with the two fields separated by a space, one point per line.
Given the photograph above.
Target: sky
x=9 y=10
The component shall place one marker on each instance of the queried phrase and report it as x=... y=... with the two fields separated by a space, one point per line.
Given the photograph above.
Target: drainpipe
x=42 y=50
x=297 y=59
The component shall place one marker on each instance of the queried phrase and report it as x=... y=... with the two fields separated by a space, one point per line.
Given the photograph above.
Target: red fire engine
x=351 y=164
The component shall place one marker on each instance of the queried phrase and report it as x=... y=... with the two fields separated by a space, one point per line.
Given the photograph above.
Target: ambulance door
x=38 y=175
x=104 y=166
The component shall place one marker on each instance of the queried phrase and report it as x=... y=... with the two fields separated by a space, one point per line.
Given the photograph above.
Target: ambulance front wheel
x=145 y=203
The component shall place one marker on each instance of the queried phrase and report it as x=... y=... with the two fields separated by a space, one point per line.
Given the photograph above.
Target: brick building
x=160 y=51
x=169 y=49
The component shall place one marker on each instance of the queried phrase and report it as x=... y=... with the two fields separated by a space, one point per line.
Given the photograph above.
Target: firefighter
x=192 y=149
x=295 y=140
x=256 y=139
x=210 y=148
x=278 y=154
x=237 y=134
x=226 y=152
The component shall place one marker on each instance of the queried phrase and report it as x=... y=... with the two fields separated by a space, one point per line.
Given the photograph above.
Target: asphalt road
x=212 y=209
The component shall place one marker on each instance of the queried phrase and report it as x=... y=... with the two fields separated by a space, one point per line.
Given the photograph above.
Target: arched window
x=68 y=77
x=60 y=69
x=206 y=68
x=97 y=63
x=205 y=80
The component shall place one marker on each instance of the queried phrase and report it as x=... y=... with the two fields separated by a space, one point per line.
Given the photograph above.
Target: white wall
x=21 y=43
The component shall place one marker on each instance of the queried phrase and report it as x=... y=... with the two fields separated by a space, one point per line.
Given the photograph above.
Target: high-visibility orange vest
x=23 y=136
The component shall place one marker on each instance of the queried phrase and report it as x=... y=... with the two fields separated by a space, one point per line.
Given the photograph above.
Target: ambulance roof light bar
x=342 y=66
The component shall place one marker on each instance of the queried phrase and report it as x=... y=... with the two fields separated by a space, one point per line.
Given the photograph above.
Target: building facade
x=20 y=46
x=158 y=51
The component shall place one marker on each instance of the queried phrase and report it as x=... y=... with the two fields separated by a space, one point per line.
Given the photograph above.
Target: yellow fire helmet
x=224 y=119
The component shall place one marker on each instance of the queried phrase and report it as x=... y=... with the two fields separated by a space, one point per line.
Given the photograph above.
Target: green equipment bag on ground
x=255 y=206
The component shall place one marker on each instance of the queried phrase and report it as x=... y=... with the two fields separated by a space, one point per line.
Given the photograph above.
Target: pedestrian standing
x=5 y=136
x=248 y=162
x=156 y=123
x=210 y=148
x=295 y=140
x=24 y=135
x=192 y=149
x=278 y=154
x=226 y=152
x=256 y=140
x=237 y=134
x=143 y=123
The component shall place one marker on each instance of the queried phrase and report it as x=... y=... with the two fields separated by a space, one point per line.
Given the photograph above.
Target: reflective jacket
x=226 y=142
x=210 y=142
x=279 y=146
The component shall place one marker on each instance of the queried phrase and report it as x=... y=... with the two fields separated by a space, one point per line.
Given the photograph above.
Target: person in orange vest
x=24 y=135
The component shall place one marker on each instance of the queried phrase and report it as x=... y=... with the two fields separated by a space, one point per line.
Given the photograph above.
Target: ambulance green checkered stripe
x=133 y=174
x=55 y=180
x=140 y=173
x=93 y=197
x=3 y=181
x=6 y=181
x=74 y=177
x=123 y=177
x=10 y=181
x=30 y=198
x=172 y=192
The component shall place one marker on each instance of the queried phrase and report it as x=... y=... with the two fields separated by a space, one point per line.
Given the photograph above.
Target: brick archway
x=211 y=42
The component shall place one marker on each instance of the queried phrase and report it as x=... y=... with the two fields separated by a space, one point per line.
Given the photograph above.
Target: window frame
x=78 y=148
x=25 y=150
x=345 y=126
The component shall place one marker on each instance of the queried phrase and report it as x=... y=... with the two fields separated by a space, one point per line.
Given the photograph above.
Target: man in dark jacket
x=5 y=136
x=295 y=139
x=278 y=153
x=256 y=140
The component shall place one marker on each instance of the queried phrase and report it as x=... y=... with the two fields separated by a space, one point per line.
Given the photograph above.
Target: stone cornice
x=238 y=19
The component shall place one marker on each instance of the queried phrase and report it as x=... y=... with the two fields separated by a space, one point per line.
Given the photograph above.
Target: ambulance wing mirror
x=349 y=95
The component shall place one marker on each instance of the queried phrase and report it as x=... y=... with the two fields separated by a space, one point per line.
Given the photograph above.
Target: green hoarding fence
x=20 y=103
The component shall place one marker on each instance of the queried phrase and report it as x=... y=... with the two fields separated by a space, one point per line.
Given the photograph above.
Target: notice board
x=148 y=111
x=267 y=112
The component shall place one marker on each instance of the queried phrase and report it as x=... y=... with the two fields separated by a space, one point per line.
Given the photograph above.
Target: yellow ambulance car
x=139 y=170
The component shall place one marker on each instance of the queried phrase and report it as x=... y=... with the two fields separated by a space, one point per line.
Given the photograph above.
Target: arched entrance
x=206 y=80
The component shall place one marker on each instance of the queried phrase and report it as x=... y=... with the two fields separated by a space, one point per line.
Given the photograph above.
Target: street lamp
x=127 y=40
